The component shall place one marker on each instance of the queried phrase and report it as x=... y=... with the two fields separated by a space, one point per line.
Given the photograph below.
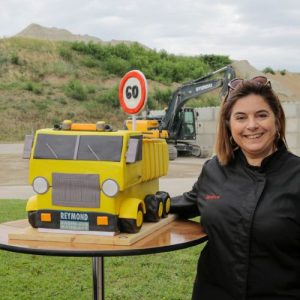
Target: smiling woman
x=248 y=197
x=254 y=119
x=253 y=128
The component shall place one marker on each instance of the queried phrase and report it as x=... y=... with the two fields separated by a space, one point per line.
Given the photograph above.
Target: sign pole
x=133 y=122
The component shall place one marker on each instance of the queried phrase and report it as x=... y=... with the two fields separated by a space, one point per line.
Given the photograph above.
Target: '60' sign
x=133 y=92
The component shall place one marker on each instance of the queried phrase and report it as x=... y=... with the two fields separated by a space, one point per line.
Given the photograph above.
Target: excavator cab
x=186 y=124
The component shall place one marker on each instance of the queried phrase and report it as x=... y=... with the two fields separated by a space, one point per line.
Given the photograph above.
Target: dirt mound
x=287 y=86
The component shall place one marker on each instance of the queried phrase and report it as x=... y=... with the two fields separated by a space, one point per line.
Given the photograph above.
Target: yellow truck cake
x=89 y=178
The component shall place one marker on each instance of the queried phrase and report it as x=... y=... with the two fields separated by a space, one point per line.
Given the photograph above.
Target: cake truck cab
x=89 y=178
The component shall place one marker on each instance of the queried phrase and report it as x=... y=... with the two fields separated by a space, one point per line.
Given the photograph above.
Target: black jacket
x=252 y=217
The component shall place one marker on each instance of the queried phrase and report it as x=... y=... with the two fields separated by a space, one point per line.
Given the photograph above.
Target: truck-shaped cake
x=90 y=178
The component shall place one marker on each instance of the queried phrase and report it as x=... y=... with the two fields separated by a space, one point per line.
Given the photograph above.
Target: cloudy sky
x=264 y=32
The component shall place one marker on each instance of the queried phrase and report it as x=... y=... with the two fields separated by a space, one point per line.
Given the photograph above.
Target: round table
x=178 y=234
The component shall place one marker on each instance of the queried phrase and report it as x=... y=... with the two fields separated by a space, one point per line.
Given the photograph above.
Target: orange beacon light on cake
x=90 y=178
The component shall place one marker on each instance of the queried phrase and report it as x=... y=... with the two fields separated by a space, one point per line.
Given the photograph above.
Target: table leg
x=98 y=278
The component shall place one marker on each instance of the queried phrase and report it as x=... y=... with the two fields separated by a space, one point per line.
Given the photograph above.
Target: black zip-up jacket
x=252 y=218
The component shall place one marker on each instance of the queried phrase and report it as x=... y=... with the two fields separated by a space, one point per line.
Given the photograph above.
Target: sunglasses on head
x=259 y=80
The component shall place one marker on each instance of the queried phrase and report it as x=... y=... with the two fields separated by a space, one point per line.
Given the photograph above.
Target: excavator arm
x=191 y=90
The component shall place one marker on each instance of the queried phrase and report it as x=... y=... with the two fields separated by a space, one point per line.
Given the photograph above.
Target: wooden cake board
x=32 y=234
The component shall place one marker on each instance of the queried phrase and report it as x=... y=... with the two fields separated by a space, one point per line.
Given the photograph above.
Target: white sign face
x=133 y=92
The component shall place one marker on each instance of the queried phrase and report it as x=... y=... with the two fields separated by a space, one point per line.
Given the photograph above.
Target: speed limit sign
x=133 y=92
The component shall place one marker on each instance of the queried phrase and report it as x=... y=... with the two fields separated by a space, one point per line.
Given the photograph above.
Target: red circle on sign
x=142 y=80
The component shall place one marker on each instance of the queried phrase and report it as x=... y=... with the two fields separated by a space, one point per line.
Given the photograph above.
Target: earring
x=278 y=136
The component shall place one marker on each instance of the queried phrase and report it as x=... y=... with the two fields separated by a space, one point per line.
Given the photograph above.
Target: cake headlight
x=40 y=185
x=110 y=188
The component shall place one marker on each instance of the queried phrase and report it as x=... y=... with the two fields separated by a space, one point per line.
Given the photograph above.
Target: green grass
x=166 y=276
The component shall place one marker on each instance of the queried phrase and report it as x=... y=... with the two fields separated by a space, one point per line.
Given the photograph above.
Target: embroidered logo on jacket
x=212 y=197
